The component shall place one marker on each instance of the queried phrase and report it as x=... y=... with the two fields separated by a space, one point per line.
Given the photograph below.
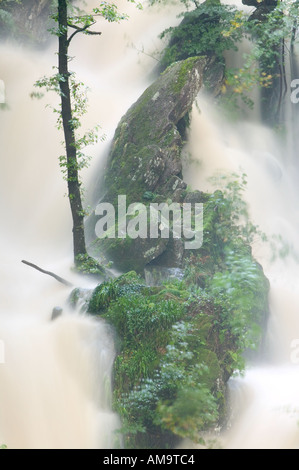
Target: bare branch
x=49 y=273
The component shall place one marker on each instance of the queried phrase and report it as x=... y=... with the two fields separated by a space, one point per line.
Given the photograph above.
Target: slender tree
x=72 y=106
x=74 y=191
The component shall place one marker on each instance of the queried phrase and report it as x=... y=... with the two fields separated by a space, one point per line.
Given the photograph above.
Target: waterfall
x=265 y=402
x=56 y=376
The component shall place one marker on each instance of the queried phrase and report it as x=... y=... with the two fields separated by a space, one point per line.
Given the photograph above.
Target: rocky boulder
x=27 y=21
x=144 y=162
x=146 y=148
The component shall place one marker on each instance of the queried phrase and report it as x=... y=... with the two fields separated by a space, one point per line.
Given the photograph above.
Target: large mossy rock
x=178 y=343
x=146 y=148
x=169 y=349
x=144 y=162
x=176 y=349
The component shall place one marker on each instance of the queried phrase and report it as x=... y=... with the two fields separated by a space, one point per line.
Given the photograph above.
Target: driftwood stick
x=49 y=273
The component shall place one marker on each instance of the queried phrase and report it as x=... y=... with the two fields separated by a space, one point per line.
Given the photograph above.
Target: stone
x=144 y=162
x=56 y=312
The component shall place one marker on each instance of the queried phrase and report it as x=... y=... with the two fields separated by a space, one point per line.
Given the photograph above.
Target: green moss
x=146 y=132
x=105 y=293
x=145 y=156
x=185 y=339
x=177 y=344
x=74 y=297
x=200 y=33
x=174 y=342
x=86 y=264
x=183 y=75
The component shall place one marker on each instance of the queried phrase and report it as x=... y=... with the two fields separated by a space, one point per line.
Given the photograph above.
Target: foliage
x=241 y=82
x=7 y=22
x=193 y=411
x=177 y=397
x=85 y=264
x=138 y=318
x=81 y=21
x=79 y=96
x=105 y=293
x=73 y=106
x=264 y=65
x=241 y=291
x=271 y=31
x=186 y=3
x=234 y=221
x=202 y=32
x=225 y=269
x=226 y=224
x=212 y=28
x=178 y=344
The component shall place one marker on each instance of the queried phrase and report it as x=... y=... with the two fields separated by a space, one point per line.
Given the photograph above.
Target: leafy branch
x=73 y=105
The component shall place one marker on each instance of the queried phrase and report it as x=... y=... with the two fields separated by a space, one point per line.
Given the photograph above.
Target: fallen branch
x=49 y=273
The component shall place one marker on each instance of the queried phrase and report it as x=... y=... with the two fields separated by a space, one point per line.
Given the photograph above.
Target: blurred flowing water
x=265 y=402
x=56 y=376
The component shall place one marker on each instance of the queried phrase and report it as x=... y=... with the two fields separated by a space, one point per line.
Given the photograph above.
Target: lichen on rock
x=145 y=156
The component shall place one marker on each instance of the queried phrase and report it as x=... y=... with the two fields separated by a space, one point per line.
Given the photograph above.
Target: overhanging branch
x=84 y=29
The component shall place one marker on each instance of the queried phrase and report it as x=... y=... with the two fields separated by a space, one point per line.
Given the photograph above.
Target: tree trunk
x=73 y=182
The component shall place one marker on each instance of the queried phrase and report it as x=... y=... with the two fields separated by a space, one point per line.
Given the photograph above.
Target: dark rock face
x=145 y=161
x=28 y=21
x=264 y=3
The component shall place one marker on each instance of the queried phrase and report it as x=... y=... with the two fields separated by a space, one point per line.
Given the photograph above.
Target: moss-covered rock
x=26 y=20
x=144 y=163
x=177 y=347
x=202 y=32
x=178 y=342
x=146 y=147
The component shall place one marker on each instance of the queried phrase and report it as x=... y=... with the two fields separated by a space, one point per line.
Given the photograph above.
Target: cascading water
x=55 y=376
x=265 y=403
x=51 y=395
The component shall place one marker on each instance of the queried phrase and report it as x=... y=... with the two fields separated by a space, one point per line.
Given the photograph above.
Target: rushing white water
x=55 y=376
x=265 y=403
